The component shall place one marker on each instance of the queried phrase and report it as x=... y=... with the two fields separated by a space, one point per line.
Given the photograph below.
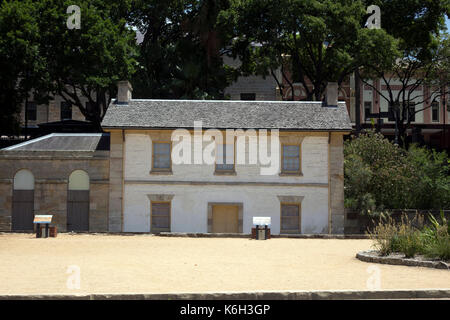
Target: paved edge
x=373 y=257
x=210 y=235
x=283 y=295
x=248 y=236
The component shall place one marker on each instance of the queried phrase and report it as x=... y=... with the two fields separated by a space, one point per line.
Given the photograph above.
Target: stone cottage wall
x=51 y=173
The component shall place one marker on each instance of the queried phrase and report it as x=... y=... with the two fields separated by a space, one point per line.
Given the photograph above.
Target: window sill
x=161 y=172
x=225 y=173
x=291 y=174
x=289 y=233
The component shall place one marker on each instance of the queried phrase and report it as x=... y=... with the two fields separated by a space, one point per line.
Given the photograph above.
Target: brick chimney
x=332 y=95
x=124 y=92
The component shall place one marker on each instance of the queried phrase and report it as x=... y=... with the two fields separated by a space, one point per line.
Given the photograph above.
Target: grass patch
x=411 y=237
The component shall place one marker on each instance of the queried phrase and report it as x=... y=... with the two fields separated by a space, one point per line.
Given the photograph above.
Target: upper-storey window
x=435 y=111
x=225 y=158
x=290 y=156
x=367 y=109
x=161 y=160
x=412 y=111
x=31 y=111
x=66 y=110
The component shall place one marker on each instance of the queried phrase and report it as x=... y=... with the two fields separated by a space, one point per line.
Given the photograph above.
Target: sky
x=448 y=24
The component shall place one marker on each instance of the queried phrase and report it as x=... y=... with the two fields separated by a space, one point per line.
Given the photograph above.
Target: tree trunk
x=357 y=102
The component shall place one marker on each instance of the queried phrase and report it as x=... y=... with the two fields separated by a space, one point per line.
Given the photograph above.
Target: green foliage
x=316 y=40
x=181 y=56
x=385 y=236
x=436 y=238
x=376 y=174
x=21 y=64
x=408 y=238
x=87 y=62
x=39 y=54
x=379 y=175
x=431 y=178
x=411 y=238
x=417 y=56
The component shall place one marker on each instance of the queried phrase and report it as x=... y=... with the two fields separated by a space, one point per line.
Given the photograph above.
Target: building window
x=89 y=108
x=248 y=96
x=290 y=156
x=225 y=158
x=290 y=218
x=160 y=217
x=435 y=111
x=412 y=111
x=391 y=113
x=367 y=110
x=161 y=161
x=66 y=110
x=31 y=111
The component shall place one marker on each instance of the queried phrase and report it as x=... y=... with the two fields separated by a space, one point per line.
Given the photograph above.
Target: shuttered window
x=160 y=217
x=291 y=159
x=290 y=218
x=161 y=157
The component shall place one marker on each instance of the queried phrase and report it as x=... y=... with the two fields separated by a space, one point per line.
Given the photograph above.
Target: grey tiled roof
x=89 y=142
x=227 y=114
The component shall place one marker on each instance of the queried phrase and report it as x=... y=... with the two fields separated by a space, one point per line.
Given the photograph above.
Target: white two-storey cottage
x=211 y=166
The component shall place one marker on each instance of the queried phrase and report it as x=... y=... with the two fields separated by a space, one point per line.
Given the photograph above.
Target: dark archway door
x=78 y=210
x=23 y=210
x=23 y=201
x=78 y=201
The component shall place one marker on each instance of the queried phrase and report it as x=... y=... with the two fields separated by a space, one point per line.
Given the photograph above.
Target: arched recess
x=78 y=201
x=23 y=201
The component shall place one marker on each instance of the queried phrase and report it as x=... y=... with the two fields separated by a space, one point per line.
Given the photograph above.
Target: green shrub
x=440 y=248
x=411 y=237
x=385 y=236
x=390 y=237
x=379 y=175
x=436 y=238
x=431 y=178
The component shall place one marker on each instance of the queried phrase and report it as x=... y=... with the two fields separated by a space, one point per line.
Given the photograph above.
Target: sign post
x=262 y=227
x=42 y=220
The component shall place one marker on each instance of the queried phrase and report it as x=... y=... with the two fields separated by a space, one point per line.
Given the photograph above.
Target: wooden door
x=23 y=210
x=78 y=210
x=225 y=219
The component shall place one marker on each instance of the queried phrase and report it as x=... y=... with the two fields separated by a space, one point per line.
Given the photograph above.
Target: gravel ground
x=150 y=264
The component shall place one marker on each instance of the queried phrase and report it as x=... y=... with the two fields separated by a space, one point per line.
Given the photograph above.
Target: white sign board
x=261 y=221
x=42 y=219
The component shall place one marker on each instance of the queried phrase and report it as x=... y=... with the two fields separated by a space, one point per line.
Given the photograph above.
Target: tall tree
x=21 y=64
x=181 y=52
x=421 y=59
x=87 y=62
x=311 y=41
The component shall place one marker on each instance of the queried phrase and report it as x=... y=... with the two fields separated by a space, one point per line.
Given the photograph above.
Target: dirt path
x=148 y=264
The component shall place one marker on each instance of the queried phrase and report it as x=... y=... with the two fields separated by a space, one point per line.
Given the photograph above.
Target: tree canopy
x=21 y=64
x=41 y=55
x=182 y=49
x=310 y=41
x=420 y=58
